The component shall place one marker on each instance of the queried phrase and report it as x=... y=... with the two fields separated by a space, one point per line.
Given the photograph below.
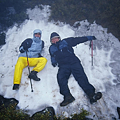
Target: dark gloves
x=53 y=61
x=25 y=46
x=54 y=64
x=91 y=38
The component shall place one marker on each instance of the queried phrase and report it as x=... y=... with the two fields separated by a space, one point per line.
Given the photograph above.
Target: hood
x=37 y=39
x=37 y=31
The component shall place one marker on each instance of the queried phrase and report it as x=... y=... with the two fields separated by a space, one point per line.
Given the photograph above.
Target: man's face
x=37 y=35
x=55 y=40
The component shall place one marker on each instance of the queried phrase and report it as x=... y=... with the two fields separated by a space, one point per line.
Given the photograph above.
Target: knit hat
x=54 y=35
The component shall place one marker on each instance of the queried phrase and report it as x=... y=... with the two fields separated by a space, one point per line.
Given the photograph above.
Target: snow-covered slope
x=104 y=75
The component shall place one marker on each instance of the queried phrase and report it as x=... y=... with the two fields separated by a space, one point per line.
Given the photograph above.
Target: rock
x=5 y=102
x=47 y=113
x=118 y=110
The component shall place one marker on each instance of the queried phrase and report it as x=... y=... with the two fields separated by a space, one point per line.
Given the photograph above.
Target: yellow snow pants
x=39 y=64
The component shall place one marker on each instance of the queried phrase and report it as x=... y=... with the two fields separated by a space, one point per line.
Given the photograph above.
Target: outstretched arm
x=73 y=41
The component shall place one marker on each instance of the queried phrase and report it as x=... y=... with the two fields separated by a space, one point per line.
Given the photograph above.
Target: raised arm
x=73 y=41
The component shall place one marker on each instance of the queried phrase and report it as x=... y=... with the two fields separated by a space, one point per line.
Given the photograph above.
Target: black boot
x=95 y=97
x=67 y=100
x=33 y=75
x=15 y=86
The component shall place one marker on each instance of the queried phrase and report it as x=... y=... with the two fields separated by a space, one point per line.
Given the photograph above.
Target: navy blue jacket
x=62 y=52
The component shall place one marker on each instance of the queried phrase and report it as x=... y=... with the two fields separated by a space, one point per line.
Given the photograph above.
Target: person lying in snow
x=33 y=47
x=62 y=54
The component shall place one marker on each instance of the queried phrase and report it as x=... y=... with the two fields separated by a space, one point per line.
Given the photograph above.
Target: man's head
x=54 y=38
x=37 y=33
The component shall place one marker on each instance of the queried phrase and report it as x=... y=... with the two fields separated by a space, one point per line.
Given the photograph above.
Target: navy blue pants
x=77 y=70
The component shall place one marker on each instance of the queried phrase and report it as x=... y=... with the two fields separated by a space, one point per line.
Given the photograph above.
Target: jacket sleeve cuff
x=21 y=49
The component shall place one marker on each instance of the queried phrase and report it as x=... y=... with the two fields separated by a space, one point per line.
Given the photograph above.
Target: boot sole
x=15 y=88
x=38 y=79
x=67 y=102
x=98 y=96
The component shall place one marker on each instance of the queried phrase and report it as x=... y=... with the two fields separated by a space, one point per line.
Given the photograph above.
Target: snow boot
x=15 y=86
x=33 y=75
x=67 y=100
x=95 y=97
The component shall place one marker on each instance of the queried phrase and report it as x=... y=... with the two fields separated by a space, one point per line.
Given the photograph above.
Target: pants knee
x=44 y=60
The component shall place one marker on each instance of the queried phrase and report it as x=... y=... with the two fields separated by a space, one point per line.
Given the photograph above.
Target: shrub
x=9 y=113
x=2 y=38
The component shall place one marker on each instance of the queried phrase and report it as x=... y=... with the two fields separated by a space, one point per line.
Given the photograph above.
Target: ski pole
x=29 y=72
x=91 y=45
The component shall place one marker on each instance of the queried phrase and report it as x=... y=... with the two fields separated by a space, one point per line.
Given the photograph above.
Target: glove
x=91 y=38
x=54 y=64
x=25 y=46
x=53 y=61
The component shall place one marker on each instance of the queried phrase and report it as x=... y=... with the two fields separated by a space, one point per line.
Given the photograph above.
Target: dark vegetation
x=104 y=12
x=9 y=113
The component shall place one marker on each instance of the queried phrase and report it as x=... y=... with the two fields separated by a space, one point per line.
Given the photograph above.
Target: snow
x=104 y=75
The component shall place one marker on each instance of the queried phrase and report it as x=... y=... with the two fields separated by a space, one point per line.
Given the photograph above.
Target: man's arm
x=73 y=41
x=53 y=61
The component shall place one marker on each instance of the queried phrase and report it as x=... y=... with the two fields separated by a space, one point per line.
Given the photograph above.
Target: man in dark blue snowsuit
x=62 y=54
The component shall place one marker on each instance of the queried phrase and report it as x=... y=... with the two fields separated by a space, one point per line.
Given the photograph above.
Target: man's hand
x=91 y=38
x=26 y=46
x=54 y=64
